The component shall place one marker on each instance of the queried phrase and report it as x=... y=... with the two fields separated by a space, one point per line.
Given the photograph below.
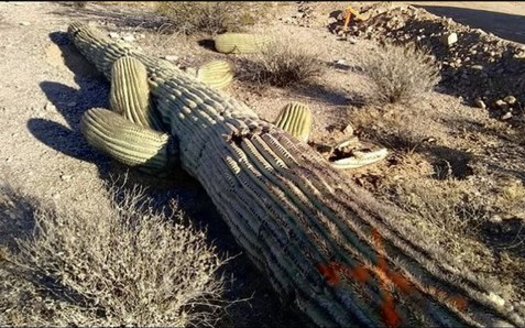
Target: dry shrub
x=190 y=17
x=282 y=62
x=400 y=128
x=118 y=264
x=399 y=74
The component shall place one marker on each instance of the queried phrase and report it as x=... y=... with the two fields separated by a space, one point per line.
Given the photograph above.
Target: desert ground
x=458 y=168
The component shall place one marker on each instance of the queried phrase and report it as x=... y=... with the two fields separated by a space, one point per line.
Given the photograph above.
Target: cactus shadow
x=207 y=44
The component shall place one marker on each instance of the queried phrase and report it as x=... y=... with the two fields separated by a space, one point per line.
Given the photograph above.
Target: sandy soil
x=46 y=86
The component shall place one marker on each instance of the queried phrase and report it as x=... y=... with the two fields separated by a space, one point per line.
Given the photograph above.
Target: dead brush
x=189 y=17
x=282 y=62
x=121 y=263
x=398 y=74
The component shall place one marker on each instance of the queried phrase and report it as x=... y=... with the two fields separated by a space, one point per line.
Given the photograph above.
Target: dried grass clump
x=398 y=74
x=190 y=17
x=121 y=263
x=281 y=62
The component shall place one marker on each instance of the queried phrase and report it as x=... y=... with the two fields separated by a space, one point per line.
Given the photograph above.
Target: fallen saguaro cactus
x=326 y=245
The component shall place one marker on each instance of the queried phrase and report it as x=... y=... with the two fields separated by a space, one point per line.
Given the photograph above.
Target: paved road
x=504 y=19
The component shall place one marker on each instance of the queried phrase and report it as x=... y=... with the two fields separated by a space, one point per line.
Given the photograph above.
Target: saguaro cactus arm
x=342 y=257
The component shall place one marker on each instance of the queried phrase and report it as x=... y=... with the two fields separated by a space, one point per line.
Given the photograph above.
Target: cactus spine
x=130 y=94
x=342 y=257
x=126 y=142
x=296 y=119
x=240 y=43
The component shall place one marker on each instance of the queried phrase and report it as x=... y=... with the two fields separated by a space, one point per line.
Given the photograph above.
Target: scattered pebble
x=349 y=129
x=49 y=107
x=66 y=177
x=507 y=116
x=25 y=23
x=480 y=103
x=171 y=58
x=449 y=39
x=71 y=104
x=114 y=35
x=128 y=38
x=501 y=104
x=511 y=100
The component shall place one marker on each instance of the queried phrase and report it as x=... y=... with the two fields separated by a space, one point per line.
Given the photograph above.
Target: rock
x=501 y=104
x=128 y=38
x=480 y=103
x=449 y=39
x=349 y=129
x=331 y=20
x=65 y=177
x=25 y=23
x=114 y=35
x=477 y=67
x=511 y=100
x=171 y=58
x=352 y=40
x=341 y=62
x=49 y=106
x=507 y=116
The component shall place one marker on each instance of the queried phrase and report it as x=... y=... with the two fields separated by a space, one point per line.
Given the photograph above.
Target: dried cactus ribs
x=342 y=257
x=240 y=43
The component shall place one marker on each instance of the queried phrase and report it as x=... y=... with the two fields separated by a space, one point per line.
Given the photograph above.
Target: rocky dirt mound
x=484 y=69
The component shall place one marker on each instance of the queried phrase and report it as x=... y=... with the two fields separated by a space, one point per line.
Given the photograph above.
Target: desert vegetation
x=453 y=174
x=399 y=74
x=281 y=62
x=122 y=263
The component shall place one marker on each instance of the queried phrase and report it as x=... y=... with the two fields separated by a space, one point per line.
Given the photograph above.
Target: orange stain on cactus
x=334 y=271
x=389 y=314
x=329 y=273
x=360 y=274
x=460 y=303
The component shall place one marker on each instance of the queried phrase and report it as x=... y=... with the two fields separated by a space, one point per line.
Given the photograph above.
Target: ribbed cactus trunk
x=342 y=257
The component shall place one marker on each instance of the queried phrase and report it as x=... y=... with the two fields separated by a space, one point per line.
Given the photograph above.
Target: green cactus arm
x=216 y=74
x=128 y=143
x=130 y=94
x=296 y=119
x=240 y=43
x=325 y=244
